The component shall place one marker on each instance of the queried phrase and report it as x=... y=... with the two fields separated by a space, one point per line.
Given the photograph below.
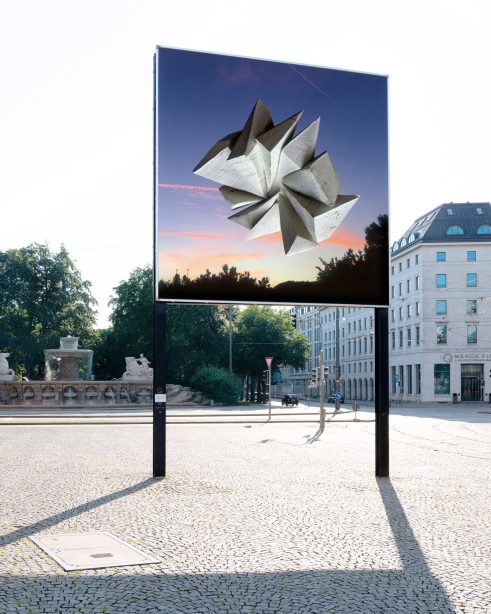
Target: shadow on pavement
x=146 y=589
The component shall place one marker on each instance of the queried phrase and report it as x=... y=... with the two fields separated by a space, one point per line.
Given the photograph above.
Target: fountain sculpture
x=68 y=356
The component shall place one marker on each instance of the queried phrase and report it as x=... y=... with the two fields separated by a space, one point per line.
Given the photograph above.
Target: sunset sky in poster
x=203 y=97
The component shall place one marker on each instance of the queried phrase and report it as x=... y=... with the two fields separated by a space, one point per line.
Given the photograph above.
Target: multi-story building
x=439 y=322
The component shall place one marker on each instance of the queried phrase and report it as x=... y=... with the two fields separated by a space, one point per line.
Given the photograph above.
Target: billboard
x=271 y=182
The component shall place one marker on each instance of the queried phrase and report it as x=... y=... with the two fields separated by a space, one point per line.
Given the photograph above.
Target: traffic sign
x=268 y=362
x=397 y=377
x=338 y=395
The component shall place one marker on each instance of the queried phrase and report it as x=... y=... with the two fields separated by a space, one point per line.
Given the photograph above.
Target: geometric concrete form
x=77 y=551
x=275 y=181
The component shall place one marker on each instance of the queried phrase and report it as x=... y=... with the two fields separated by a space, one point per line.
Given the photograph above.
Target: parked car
x=289 y=399
x=332 y=399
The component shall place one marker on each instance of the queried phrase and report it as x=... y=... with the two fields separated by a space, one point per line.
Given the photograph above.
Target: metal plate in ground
x=74 y=551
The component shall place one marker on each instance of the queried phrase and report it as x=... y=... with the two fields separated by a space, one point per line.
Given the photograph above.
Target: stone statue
x=137 y=368
x=146 y=371
x=5 y=372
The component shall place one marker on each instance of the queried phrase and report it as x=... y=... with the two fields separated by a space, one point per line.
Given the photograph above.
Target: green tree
x=218 y=384
x=131 y=333
x=261 y=332
x=196 y=334
x=42 y=298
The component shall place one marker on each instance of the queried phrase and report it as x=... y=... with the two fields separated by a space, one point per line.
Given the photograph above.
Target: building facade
x=439 y=319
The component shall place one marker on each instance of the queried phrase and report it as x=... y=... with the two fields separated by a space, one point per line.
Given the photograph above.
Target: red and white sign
x=268 y=362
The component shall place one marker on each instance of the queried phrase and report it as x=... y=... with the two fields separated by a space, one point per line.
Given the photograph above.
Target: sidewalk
x=265 y=518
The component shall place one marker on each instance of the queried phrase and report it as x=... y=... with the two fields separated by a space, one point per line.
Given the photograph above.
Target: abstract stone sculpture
x=277 y=182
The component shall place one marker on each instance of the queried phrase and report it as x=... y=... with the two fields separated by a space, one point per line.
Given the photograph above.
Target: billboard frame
x=381 y=320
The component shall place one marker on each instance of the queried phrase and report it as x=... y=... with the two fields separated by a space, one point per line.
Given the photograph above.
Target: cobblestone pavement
x=263 y=518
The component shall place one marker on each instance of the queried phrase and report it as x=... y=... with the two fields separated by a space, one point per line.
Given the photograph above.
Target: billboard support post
x=382 y=392
x=159 y=388
x=321 y=394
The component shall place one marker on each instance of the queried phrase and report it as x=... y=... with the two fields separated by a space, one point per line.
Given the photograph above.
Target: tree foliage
x=131 y=333
x=218 y=384
x=42 y=298
x=264 y=331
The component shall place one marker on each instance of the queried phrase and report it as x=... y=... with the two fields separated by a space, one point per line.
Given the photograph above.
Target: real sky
x=76 y=107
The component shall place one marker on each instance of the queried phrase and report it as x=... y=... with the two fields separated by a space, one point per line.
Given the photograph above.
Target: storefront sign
x=467 y=357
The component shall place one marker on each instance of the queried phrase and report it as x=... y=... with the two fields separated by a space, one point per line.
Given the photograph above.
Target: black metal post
x=382 y=392
x=159 y=388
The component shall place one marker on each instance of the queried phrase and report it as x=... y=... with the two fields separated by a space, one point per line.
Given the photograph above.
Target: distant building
x=439 y=320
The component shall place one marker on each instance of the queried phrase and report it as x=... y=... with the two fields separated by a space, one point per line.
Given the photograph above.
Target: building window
x=401 y=378
x=371 y=343
x=393 y=378
x=393 y=339
x=329 y=353
x=417 y=308
x=365 y=365
x=441 y=281
x=417 y=282
x=442 y=379
x=393 y=315
x=401 y=338
x=365 y=323
x=343 y=350
x=354 y=326
x=410 y=379
x=455 y=230
x=484 y=230
x=440 y=257
x=349 y=348
x=354 y=347
x=449 y=212
x=441 y=307
x=441 y=334
x=349 y=328
x=400 y=289
x=471 y=256
x=359 y=346
x=392 y=270
x=408 y=261
x=479 y=211
x=400 y=313
x=366 y=345
x=408 y=286
x=371 y=322
x=408 y=337
x=409 y=311
x=471 y=307
x=471 y=280
x=418 y=379
x=400 y=267
x=354 y=367
x=471 y=333
x=417 y=335
x=371 y=366
x=392 y=292
x=417 y=258
x=343 y=312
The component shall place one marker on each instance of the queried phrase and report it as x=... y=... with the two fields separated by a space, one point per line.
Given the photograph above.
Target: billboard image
x=271 y=182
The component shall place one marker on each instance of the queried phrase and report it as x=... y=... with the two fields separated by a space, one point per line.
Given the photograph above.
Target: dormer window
x=395 y=247
x=412 y=236
x=455 y=230
x=404 y=242
x=449 y=212
x=479 y=211
x=484 y=230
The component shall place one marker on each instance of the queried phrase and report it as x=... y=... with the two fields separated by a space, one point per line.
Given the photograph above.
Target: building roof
x=449 y=223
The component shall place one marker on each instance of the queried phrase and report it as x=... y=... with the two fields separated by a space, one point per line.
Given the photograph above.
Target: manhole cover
x=78 y=551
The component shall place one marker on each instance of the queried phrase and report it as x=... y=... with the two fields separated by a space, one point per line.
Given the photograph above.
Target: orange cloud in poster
x=201 y=235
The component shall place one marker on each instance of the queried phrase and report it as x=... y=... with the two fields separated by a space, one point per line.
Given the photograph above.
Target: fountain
x=68 y=356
